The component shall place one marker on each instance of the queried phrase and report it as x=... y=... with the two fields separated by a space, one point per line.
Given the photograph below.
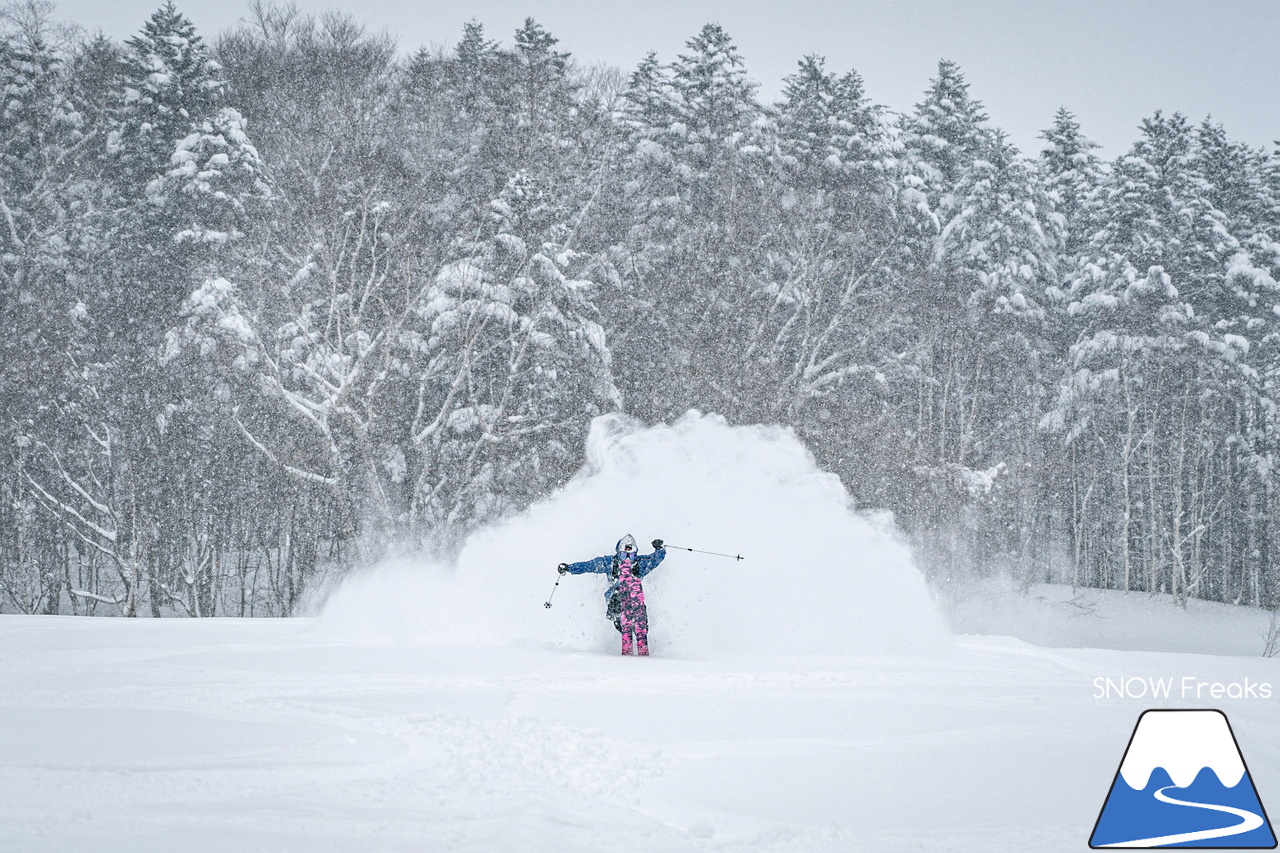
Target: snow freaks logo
x=1182 y=783
x=1189 y=687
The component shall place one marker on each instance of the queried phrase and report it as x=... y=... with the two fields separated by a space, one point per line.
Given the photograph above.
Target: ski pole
x=547 y=603
x=712 y=553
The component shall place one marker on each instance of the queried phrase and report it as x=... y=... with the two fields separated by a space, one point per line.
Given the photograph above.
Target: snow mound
x=815 y=578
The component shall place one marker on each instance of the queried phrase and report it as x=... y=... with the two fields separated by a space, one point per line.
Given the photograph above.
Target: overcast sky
x=1111 y=62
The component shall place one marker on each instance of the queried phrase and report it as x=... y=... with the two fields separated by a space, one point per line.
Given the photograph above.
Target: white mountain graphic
x=1183 y=743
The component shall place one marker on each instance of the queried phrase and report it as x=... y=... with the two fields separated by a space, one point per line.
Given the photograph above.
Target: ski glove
x=657 y=545
x=562 y=568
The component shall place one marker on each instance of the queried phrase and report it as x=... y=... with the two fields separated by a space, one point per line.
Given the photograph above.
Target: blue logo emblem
x=1183 y=783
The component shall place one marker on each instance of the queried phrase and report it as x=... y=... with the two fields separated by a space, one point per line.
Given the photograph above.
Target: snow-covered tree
x=42 y=138
x=646 y=110
x=822 y=318
x=1166 y=385
x=41 y=132
x=1072 y=175
x=459 y=405
x=691 y=188
x=984 y=257
x=830 y=132
x=289 y=301
x=158 y=189
x=713 y=96
x=169 y=86
x=947 y=133
x=545 y=92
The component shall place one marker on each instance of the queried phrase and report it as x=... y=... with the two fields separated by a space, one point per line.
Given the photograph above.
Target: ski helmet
x=627 y=543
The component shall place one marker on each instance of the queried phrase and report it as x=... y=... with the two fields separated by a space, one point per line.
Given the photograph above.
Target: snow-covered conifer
x=1173 y=313
x=473 y=51
x=946 y=132
x=1072 y=174
x=170 y=83
x=647 y=104
x=828 y=124
x=714 y=99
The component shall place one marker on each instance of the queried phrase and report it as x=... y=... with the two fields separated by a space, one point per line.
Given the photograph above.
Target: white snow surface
x=1058 y=615
x=815 y=577
x=804 y=700
x=273 y=735
x=1183 y=743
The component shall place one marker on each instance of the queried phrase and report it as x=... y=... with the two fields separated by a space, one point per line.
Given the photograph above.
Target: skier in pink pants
x=625 y=596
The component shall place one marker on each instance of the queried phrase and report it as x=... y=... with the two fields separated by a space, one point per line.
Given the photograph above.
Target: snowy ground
x=220 y=735
x=809 y=698
x=1059 y=616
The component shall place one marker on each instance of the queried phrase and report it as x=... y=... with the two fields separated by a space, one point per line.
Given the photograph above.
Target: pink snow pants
x=633 y=615
x=635 y=618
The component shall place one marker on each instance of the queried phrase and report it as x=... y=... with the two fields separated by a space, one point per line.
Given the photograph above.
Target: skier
x=625 y=596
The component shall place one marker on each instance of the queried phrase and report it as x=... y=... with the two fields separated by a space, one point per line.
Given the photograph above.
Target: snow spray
x=821 y=579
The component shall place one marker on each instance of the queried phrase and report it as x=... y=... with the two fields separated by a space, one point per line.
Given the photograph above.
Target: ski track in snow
x=125 y=735
x=1248 y=822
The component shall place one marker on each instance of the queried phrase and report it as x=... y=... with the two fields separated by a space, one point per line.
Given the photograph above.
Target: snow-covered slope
x=217 y=735
x=1053 y=615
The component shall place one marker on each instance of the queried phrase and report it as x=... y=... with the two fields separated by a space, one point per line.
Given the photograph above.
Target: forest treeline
x=275 y=303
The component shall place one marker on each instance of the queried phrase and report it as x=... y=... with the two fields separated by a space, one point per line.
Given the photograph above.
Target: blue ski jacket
x=644 y=563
